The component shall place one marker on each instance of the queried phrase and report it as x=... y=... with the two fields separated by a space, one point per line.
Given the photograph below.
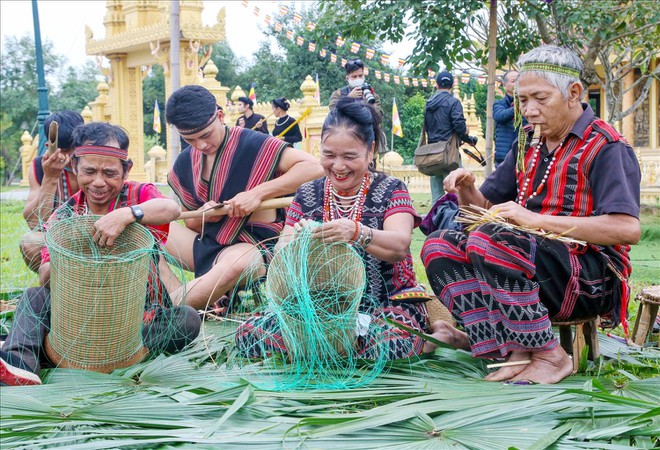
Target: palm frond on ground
x=198 y=398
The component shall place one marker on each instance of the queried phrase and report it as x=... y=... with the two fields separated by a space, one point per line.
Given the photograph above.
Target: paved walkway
x=14 y=195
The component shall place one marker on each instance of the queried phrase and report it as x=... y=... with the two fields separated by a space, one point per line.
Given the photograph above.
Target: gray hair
x=556 y=56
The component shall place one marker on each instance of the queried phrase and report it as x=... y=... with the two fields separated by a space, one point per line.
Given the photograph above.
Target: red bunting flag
x=296 y=18
x=384 y=59
x=465 y=77
x=424 y=84
x=289 y=34
x=300 y=40
x=256 y=11
x=267 y=19
x=343 y=62
x=355 y=47
x=311 y=47
x=311 y=26
x=333 y=58
x=406 y=81
x=482 y=79
x=415 y=82
x=245 y=3
x=366 y=71
x=396 y=79
x=278 y=27
x=378 y=74
x=283 y=10
x=386 y=77
x=370 y=53
x=323 y=52
x=340 y=41
x=401 y=62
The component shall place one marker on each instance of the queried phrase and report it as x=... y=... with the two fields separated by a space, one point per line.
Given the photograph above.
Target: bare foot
x=444 y=332
x=508 y=372
x=547 y=367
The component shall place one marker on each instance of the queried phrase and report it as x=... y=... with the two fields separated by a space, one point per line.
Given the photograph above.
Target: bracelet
x=367 y=240
x=357 y=230
x=360 y=237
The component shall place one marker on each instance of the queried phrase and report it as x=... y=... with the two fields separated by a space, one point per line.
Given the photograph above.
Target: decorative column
x=126 y=109
x=313 y=123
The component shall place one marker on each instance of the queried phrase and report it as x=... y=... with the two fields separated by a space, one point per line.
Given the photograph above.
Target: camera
x=368 y=93
x=472 y=140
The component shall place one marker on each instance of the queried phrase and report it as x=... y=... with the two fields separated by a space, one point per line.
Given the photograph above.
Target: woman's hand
x=339 y=230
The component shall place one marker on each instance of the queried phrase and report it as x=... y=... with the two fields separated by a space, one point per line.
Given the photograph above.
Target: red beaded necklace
x=527 y=189
x=332 y=209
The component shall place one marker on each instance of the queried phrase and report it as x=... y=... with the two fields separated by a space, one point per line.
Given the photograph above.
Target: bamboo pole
x=221 y=210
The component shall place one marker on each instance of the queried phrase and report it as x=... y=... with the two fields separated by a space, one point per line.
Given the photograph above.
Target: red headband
x=101 y=150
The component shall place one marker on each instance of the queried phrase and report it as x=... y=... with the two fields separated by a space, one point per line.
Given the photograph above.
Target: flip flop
x=520 y=382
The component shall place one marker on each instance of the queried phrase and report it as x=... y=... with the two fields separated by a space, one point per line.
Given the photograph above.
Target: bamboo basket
x=97 y=295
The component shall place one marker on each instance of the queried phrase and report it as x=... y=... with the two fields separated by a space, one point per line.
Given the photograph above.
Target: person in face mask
x=355 y=78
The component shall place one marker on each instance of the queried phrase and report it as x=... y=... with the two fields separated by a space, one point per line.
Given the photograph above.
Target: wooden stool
x=649 y=301
x=586 y=333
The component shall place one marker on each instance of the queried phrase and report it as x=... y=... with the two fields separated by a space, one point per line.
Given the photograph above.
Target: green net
x=310 y=326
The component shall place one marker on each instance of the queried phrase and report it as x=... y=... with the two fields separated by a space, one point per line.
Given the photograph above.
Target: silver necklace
x=277 y=122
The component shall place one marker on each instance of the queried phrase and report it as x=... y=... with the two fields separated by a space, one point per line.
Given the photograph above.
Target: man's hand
x=243 y=204
x=54 y=163
x=517 y=214
x=108 y=227
x=458 y=179
x=355 y=93
x=208 y=217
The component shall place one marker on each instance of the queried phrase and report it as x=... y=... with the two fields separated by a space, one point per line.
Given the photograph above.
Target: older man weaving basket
x=101 y=165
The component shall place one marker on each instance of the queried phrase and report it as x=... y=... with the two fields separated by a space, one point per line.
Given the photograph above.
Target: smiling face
x=345 y=159
x=209 y=139
x=101 y=180
x=543 y=104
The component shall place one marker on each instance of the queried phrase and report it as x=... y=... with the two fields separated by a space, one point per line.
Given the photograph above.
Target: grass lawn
x=208 y=397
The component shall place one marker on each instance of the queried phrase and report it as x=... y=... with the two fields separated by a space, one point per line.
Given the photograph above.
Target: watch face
x=138 y=213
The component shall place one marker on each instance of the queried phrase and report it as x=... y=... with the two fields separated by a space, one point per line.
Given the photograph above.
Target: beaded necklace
x=337 y=205
x=530 y=175
x=284 y=119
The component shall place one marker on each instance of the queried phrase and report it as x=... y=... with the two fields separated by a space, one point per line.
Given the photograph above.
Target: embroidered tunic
x=244 y=160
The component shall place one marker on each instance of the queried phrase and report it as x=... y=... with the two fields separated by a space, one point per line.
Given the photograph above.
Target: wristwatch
x=138 y=213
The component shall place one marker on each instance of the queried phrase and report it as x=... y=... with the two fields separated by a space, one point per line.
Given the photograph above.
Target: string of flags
x=354 y=47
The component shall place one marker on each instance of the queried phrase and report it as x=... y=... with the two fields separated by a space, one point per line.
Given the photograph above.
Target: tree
x=77 y=89
x=621 y=34
x=18 y=92
x=153 y=88
x=412 y=119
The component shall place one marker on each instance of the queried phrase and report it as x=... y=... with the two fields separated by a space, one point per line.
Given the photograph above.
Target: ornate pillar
x=313 y=123
x=126 y=107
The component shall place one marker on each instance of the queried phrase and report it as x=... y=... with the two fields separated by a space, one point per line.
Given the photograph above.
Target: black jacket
x=444 y=116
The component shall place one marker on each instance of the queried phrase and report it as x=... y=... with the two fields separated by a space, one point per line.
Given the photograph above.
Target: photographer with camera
x=444 y=117
x=358 y=89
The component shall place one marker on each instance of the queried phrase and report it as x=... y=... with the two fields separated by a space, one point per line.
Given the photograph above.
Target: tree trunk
x=490 y=99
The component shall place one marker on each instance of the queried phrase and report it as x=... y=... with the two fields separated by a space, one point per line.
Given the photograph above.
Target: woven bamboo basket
x=97 y=295
x=333 y=271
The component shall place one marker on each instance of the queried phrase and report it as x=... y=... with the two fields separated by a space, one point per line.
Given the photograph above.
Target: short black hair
x=353 y=65
x=67 y=121
x=189 y=107
x=246 y=100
